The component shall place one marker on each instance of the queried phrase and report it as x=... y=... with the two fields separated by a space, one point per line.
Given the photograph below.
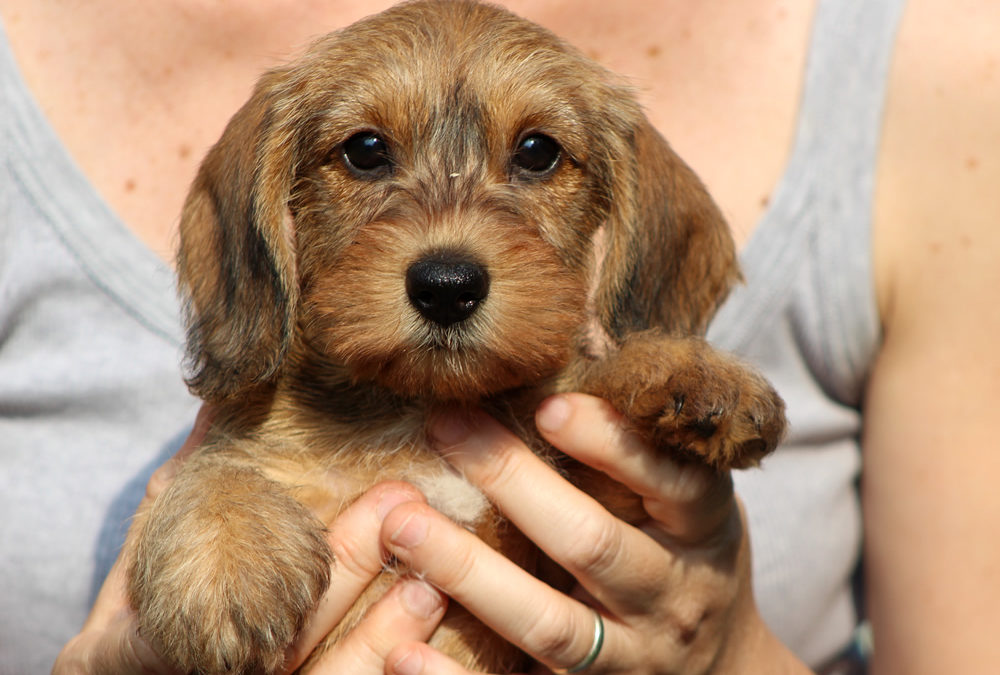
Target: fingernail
x=411 y=533
x=449 y=429
x=553 y=414
x=412 y=663
x=420 y=600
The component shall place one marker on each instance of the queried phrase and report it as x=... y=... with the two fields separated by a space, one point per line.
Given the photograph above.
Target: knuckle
x=500 y=468
x=447 y=555
x=612 y=437
x=684 y=485
x=552 y=634
x=598 y=546
x=692 y=503
x=459 y=573
x=352 y=557
x=362 y=653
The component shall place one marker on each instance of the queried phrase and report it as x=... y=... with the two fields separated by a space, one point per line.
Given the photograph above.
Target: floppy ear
x=236 y=262
x=670 y=258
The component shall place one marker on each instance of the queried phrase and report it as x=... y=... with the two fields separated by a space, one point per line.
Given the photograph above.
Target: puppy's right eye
x=366 y=153
x=537 y=155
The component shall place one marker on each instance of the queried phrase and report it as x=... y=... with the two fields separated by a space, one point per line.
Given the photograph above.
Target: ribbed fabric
x=808 y=318
x=91 y=394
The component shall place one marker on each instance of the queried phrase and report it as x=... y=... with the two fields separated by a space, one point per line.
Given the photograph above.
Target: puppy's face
x=443 y=199
x=445 y=216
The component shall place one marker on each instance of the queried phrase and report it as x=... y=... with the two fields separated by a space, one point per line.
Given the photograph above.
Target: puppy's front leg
x=226 y=568
x=686 y=396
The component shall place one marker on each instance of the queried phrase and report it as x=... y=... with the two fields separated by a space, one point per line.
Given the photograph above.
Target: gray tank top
x=91 y=394
x=808 y=318
x=91 y=397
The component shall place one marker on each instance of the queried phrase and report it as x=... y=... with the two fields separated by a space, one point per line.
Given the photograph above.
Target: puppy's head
x=446 y=200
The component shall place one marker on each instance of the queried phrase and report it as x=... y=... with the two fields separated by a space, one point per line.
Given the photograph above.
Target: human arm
x=674 y=592
x=932 y=505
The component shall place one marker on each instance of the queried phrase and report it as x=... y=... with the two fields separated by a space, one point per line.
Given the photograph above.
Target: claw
x=707 y=426
x=679 y=400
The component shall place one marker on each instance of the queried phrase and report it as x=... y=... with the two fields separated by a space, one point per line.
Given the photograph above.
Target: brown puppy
x=442 y=205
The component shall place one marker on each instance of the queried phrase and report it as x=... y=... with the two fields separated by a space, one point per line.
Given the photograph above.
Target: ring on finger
x=595 y=647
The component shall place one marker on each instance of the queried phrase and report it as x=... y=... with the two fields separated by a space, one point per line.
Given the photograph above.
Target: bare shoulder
x=937 y=204
x=937 y=218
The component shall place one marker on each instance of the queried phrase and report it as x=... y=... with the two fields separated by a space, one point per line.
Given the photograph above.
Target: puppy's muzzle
x=446 y=288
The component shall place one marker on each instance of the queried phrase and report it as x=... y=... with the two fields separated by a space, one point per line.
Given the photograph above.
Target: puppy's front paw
x=684 y=395
x=225 y=571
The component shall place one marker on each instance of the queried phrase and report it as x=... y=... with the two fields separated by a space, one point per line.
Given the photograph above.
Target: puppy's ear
x=670 y=258
x=236 y=263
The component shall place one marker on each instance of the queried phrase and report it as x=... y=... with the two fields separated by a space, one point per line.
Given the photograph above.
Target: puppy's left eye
x=537 y=155
x=367 y=153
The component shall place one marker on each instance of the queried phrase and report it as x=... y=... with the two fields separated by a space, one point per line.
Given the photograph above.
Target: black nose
x=445 y=289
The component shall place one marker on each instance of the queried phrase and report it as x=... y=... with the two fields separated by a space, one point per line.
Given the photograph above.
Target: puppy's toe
x=727 y=415
x=689 y=398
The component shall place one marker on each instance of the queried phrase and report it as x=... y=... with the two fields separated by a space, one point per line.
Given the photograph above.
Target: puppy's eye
x=537 y=155
x=367 y=153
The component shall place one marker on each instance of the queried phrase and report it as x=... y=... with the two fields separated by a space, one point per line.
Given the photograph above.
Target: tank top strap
x=811 y=252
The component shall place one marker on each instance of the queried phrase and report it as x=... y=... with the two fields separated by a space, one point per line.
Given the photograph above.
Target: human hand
x=409 y=611
x=673 y=590
x=110 y=642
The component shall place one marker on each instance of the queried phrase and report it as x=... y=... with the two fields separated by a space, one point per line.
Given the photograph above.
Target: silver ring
x=595 y=648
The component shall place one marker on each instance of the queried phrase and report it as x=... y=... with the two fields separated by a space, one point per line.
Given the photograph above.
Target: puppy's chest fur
x=333 y=440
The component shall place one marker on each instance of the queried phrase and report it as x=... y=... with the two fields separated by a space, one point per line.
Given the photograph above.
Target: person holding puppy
x=887 y=320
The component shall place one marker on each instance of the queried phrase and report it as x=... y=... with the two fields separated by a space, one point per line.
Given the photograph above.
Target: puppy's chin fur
x=604 y=265
x=449 y=366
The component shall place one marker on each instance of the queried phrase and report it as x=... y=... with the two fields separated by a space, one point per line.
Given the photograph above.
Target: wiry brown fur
x=603 y=274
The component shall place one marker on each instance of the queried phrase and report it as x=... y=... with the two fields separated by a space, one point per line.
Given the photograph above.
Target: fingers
x=419 y=659
x=410 y=611
x=113 y=647
x=545 y=623
x=657 y=585
x=690 y=501
x=358 y=559
x=569 y=525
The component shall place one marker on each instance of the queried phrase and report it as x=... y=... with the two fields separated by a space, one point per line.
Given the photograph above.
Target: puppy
x=442 y=205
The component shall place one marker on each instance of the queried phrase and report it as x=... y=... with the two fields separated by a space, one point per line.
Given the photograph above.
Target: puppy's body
x=442 y=205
